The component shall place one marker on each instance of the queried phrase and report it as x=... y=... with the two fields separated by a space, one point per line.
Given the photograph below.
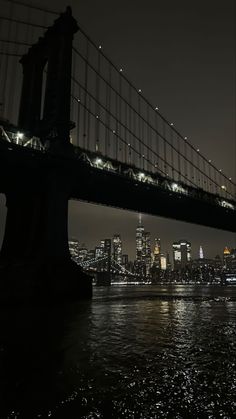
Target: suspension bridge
x=73 y=126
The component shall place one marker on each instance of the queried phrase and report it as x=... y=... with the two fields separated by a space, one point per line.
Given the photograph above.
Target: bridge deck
x=22 y=165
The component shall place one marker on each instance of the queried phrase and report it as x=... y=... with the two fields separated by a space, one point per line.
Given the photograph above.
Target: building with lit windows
x=181 y=254
x=163 y=262
x=157 y=253
x=82 y=254
x=106 y=253
x=139 y=240
x=146 y=255
x=117 y=248
x=230 y=259
x=74 y=249
x=226 y=255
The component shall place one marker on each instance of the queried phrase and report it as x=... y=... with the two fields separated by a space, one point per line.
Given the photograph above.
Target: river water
x=132 y=352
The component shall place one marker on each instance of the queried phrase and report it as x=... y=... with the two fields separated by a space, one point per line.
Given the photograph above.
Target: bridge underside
x=20 y=169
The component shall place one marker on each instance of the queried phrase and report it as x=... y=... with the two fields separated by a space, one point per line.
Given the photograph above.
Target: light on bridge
x=156 y=108
x=98 y=161
x=19 y=135
x=139 y=90
x=100 y=47
x=141 y=175
x=223 y=187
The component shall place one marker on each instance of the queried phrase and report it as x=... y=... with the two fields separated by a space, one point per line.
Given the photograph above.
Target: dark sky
x=182 y=55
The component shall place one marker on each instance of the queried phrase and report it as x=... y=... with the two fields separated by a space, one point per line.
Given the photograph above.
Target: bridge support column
x=35 y=262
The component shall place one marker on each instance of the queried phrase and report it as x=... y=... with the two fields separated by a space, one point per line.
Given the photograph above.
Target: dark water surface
x=131 y=352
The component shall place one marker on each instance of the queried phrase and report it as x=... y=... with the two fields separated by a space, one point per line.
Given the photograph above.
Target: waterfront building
x=74 y=249
x=82 y=254
x=106 y=253
x=163 y=262
x=230 y=260
x=181 y=254
x=125 y=261
x=99 y=252
x=146 y=256
x=156 y=253
x=226 y=255
x=117 y=248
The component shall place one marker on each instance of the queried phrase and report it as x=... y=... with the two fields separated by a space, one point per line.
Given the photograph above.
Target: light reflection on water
x=132 y=352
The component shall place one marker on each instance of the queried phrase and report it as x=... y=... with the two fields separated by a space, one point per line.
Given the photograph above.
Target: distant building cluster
x=150 y=262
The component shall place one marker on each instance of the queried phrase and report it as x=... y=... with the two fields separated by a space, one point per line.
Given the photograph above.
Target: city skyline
x=197 y=250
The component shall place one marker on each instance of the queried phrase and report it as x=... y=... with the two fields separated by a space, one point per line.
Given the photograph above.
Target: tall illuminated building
x=201 y=255
x=157 y=253
x=226 y=255
x=146 y=255
x=139 y=240
x=181 y=254
x=230 y=258
x=106 y=252
x=117 y=248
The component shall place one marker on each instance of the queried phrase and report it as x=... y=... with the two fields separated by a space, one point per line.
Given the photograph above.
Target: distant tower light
x=201 y=256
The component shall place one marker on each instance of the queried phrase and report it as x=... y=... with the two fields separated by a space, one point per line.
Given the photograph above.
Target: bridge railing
x=99 y=162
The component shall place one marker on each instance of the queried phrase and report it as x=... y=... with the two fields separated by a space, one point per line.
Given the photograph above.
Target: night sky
x=182 y=55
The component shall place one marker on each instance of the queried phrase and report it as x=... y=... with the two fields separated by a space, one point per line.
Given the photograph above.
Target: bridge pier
x=35 y=261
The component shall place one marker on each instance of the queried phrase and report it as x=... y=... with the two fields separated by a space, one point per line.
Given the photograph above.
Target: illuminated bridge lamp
x=19 y=135
x=223 y=187
x=98 y=161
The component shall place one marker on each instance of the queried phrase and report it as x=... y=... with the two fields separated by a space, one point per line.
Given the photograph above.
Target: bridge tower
x=35 y=259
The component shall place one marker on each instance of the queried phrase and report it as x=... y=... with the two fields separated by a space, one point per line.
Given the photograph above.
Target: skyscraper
x=117 y=248
x=157 y=253
x=139 y=240
x=201 y=256
x=106 y=252
x=181 y=254
x=146 y=254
